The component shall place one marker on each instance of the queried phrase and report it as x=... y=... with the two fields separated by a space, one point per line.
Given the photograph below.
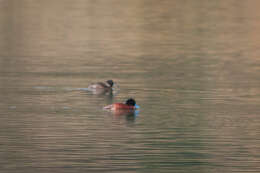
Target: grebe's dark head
x=110 y=82
x=130 y=102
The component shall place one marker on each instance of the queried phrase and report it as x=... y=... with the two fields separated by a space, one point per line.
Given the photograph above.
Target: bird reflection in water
x=128 y=115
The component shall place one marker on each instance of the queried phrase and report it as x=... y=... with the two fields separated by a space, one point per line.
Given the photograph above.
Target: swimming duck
x=101 y=86
x=130 y=104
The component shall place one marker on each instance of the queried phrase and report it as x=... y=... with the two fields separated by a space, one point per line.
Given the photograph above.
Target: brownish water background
x=192 y=66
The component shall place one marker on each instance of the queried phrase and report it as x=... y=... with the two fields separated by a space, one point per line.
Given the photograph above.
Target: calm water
x=192 y=66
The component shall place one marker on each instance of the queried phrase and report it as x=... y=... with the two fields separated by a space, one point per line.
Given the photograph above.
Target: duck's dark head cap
x=110 y=82
x=130 y=102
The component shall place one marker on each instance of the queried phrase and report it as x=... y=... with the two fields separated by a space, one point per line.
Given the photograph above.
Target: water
x=192 y=66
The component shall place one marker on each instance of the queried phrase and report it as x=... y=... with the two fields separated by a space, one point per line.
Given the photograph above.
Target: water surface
x=192 y=66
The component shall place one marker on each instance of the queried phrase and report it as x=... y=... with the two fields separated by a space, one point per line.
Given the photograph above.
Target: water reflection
x=101 y=92
x=108 y=96
x=122 y=112
x=193 y=66
x=128 y=115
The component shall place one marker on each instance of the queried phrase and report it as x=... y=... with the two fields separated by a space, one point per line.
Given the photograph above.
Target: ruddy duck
x=130 y=104
x=101 y=86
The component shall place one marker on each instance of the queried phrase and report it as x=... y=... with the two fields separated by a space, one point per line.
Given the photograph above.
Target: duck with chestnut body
x=130 y=104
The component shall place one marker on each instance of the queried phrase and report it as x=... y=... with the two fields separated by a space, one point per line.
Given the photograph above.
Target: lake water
x=192 y=66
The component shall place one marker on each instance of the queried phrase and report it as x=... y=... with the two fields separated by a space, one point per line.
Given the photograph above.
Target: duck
x=129 y=105
x=106 y=86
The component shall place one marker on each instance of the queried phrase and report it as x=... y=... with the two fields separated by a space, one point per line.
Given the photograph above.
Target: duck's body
x=101 y=86
x=119 y=106
x=129 y=105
